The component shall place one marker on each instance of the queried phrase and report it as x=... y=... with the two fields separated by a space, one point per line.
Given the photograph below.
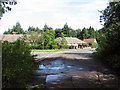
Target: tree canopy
x=110 y=35
x=4 y=6
x=16 y=28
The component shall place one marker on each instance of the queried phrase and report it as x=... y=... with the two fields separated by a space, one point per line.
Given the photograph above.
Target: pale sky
x=55 y=13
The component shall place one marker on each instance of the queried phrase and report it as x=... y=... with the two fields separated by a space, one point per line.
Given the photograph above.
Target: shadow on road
x=73 y=73
x=81 y=54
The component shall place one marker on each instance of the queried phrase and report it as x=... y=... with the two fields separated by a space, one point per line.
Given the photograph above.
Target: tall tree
x=85 y=34
x=97 y=36
x=63 y=41
x=66 y=30
x=16 y=28
x=58 y=32
x=78 y=33
x=72 y=33
x=49 y=36
x=31 y=29
x=110 y=38
x=34 y=37
x=46 y=27
x=91 y=32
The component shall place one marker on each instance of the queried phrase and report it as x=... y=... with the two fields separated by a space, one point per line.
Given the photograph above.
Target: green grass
x=45 y=50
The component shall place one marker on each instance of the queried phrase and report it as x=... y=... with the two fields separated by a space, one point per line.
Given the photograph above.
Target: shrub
x=54 y=46
x=113 y=61
x=93 y=44
x=34 y=46
x=17 y=65
x=41 y=46
x=86 y=44
x=71 y=47
x=64 y=46
x=47 y=47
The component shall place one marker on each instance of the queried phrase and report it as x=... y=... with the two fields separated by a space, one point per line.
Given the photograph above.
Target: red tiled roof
x=89 y=40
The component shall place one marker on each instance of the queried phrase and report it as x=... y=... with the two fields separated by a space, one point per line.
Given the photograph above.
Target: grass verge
x=46 y=50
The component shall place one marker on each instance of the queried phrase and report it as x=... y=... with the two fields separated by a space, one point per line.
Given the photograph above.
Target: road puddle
x=56 y=78
x=53 y=71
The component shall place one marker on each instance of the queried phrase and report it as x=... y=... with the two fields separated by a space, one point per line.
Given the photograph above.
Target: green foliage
x=78 y=33
x=54 y=47
x=91 y=33
x=64 y=46
x=49 y=36
x=65 y=30
x=58 y=32
x=85 y=34
x=63 y=41
x=34 y=46
x=86 y=44
x=17 y=64
x=71 y=47
x=4 y=7
x=17 y=28
x=46 y=27
x=93 y=44
x=34 y=37
x=33 y=29
x=109 y=48
x=47 y=47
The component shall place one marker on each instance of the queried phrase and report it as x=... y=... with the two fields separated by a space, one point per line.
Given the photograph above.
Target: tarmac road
x=75 y=68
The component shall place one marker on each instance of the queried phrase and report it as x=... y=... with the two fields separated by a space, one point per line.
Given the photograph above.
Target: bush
x=71 y=47
x=34 y=46
x=64 y=46
x=41 y=46
x=86 y=44
x=93 y=44
x=113 y=61
x=47 y=47
x=54 y=47
x=17 y=65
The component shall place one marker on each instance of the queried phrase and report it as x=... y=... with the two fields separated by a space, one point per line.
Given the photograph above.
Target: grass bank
x=45 y=50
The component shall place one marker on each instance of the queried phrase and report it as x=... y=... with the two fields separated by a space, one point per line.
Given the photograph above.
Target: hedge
x=17 y=65
x=54 y=47
x=64 y=46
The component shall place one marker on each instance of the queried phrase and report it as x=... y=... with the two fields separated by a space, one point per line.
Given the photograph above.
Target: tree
x=91 y=32
x=110 y=34
x=63 y=41
x=97 y=35
x=65 y=30
x=3 y=6
x=34 y=37
x=31 y=29
x=46 y=27
x=85 y=34
x=78 y=33
x=58 y=32
x=49 y=36
x=35 y=29
x=72 y=33
x=16 y=28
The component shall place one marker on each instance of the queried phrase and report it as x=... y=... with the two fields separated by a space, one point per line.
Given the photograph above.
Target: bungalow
x=90 y=40
x=71 y=41
x=10 y=38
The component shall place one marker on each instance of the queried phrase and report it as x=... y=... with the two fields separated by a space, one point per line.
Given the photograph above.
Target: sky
x=54 y=13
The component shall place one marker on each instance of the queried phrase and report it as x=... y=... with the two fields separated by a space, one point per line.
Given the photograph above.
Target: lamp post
x=43 y=40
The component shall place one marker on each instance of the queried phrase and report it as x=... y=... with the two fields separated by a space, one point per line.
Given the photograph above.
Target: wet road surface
x=73 y=69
